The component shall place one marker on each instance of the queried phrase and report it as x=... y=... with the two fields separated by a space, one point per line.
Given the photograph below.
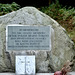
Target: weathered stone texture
x=46 y=61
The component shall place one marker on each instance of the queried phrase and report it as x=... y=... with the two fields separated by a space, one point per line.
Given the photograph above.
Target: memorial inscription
x=20 y=37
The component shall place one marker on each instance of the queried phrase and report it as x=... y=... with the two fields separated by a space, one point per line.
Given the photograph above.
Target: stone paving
x=71 y=73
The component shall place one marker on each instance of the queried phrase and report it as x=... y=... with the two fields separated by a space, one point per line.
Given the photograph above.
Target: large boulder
x=46 y=60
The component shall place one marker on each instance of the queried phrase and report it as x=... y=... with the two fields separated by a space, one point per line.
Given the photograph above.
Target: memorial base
x=70 y=73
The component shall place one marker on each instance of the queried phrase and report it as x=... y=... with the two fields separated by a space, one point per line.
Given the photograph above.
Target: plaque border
x=50 y=47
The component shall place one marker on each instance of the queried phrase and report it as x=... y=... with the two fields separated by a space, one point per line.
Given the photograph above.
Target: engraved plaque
x=20 y=37
x=25 y=65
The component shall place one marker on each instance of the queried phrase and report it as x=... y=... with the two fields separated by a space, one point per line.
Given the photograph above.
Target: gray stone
x=46 y=61
x=70 y=73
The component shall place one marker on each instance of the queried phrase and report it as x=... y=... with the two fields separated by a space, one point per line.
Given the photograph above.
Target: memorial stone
x=62 y=47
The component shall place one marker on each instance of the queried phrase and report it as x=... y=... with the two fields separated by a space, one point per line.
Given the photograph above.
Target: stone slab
x=71 y=73
x=36 y=74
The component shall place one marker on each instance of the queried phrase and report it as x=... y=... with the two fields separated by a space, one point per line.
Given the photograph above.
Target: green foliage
x=56 y=11
x=67 y=12
x=52 y=10
x=6 y=8
x=72 y=35
x=74 y=21
x=65 y=16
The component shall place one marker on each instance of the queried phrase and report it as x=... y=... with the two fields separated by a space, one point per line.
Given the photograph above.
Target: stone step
x=70 y=73
x=36 y=73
